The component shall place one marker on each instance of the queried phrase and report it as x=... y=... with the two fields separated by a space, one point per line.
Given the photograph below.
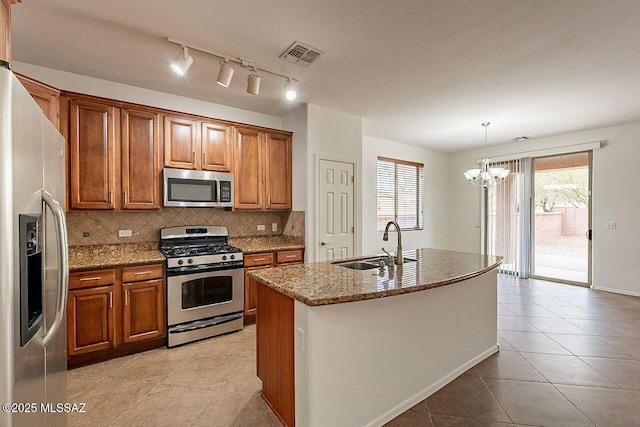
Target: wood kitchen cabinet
x=143 y=303
x=92 y=154
x=114 y=312
x=262 y=170
x=5 y=29
x=47 y=97
x=140 y=159
x=90 y=312
x=260 y=261
x=114 y=154
x=190 y=143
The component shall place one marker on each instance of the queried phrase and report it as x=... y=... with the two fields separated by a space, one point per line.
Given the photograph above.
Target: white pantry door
x=336 y=229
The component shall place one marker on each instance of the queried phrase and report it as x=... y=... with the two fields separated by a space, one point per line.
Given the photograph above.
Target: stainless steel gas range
x=205 y=283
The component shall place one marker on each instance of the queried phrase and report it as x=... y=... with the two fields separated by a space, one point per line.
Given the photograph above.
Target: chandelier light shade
x=486 y=176
x=225 y=75
x=182 y=63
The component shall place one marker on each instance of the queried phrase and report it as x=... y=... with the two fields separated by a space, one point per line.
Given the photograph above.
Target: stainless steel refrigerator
x=34 y=273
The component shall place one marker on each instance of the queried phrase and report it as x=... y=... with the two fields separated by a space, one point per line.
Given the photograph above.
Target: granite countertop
x=257 y=244
x=323 y=283
x=108 y=256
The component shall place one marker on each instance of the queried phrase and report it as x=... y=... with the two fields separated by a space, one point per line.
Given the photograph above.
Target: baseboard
x=420 y=396
x=616 y=291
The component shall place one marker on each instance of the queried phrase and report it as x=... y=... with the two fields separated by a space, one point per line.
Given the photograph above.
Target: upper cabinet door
x=278 y=171
x=92 y=155
x=248 y=169
x=140 y=159
x=217 y=147
x=180 y=142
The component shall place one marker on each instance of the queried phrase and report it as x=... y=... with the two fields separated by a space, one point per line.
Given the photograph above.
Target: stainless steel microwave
x=197 y=189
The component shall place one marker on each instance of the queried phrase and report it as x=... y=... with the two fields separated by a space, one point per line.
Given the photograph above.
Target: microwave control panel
x=225 y=191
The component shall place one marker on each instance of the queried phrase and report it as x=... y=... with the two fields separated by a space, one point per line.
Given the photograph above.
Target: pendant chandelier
x=486 y=176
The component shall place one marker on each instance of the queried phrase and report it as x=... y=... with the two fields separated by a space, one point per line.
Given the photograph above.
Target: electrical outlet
x=85 y=234
x=300 y=339
x=274 y=226
x=261 y=227
x=610 y=225
x=136 y=232
x=125 y=233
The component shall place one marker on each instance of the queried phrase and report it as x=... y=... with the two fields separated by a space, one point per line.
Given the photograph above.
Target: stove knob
x=224 y=257
x=233 y=257
x=180 y=262
x=190 y=261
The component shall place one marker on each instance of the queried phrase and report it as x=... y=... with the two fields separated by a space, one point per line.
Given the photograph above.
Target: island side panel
x=275 y=351
x=365 y=362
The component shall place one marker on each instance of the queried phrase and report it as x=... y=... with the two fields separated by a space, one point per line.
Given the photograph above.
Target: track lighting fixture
x=181 y=64
x=290 y=90
x=226 y=73
x=184 y=61
x=253 y=82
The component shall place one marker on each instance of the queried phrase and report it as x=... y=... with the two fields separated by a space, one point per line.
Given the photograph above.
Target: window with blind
x=400 y=188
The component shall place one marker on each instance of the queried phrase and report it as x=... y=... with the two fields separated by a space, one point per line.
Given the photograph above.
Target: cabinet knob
x=323 y=243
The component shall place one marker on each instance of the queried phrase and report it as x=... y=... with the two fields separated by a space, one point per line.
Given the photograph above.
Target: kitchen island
x=344 y=347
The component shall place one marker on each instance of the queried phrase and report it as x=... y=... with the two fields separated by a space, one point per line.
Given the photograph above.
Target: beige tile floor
x=569 y=356
x=208 y=383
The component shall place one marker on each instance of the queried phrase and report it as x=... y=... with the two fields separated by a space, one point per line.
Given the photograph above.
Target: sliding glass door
x=561 y=218
x=539 y=218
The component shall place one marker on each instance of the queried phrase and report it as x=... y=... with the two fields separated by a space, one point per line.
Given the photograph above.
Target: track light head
x=182 y=63
x=226 y=74
x=253 y=83
x=290 y=90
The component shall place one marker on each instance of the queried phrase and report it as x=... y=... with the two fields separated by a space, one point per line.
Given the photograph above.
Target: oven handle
x=207 y=323
x=183 y=271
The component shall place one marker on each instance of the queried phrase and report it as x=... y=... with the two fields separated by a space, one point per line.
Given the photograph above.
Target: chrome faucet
x=390 y=260
x=385 y=237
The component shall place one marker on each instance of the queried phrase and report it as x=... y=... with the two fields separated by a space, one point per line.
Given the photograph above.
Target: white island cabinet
x=343 y=347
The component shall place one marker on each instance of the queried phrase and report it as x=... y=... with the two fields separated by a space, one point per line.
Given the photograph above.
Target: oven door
x=204 y=294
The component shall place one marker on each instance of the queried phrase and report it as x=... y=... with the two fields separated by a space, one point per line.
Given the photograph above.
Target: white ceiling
x=422 y=72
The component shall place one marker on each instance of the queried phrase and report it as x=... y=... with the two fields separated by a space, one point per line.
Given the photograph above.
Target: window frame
x=419 y=185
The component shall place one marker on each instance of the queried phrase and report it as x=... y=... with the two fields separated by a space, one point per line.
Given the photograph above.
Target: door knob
x=323 y=243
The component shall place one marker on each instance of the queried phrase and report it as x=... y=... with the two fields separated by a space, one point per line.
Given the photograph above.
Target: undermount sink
x=368 y=263
x=358 y=265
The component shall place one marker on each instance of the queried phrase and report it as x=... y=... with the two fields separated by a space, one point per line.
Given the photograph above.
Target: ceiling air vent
x=302 y=54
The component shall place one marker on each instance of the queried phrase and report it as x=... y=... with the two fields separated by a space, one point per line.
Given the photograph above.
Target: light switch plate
x=261 y=227
x=610 y=225
x=125 y=233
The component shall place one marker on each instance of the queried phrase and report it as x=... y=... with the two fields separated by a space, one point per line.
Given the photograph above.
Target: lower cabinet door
x=91 y=320
x=143 y=310
x=251 y=291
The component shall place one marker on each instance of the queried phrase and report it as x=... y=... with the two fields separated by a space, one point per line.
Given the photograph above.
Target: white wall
x=121 y=92
x=615 y=197
x=338 y=136
x=296 y=121
x=436 y=195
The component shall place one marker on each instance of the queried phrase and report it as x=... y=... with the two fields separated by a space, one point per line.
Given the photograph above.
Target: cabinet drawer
x=284 y=257
x=142 y=272
x=90 y=279
x=258 y=259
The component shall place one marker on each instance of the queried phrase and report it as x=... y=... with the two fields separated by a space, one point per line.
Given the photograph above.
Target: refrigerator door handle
x=63 y=264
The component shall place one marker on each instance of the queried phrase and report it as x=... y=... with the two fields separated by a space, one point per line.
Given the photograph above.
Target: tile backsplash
x=102 y=227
